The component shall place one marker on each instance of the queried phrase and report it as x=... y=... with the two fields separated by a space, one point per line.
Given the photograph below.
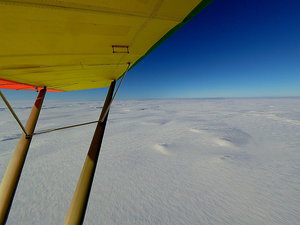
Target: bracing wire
x=13 y=113
x=96 y=121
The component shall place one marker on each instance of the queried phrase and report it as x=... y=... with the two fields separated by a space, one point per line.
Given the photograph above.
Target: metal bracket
x=120 y=49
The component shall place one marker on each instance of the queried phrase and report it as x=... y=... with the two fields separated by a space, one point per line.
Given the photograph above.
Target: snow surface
x=169 y=162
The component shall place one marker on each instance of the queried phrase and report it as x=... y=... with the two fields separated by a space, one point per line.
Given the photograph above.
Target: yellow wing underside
x=72 y=45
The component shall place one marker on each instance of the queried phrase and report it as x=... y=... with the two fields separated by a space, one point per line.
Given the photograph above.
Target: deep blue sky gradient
x=236 y=48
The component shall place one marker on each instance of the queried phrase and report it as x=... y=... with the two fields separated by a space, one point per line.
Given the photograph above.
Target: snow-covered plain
x=169 y=162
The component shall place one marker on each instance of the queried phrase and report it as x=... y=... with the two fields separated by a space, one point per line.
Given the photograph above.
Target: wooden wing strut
x=80 y=199
x=13 y=172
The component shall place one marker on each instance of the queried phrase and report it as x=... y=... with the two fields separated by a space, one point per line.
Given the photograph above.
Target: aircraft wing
x=81 y=44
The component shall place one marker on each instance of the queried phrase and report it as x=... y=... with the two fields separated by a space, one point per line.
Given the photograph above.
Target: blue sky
x=236 y=48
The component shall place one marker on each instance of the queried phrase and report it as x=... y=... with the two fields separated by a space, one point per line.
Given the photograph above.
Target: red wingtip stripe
x=7 y=84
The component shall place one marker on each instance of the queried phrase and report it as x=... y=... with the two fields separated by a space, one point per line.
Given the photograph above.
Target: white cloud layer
x=163 y=162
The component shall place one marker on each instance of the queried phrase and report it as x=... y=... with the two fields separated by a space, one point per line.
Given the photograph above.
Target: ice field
x=168 y=162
